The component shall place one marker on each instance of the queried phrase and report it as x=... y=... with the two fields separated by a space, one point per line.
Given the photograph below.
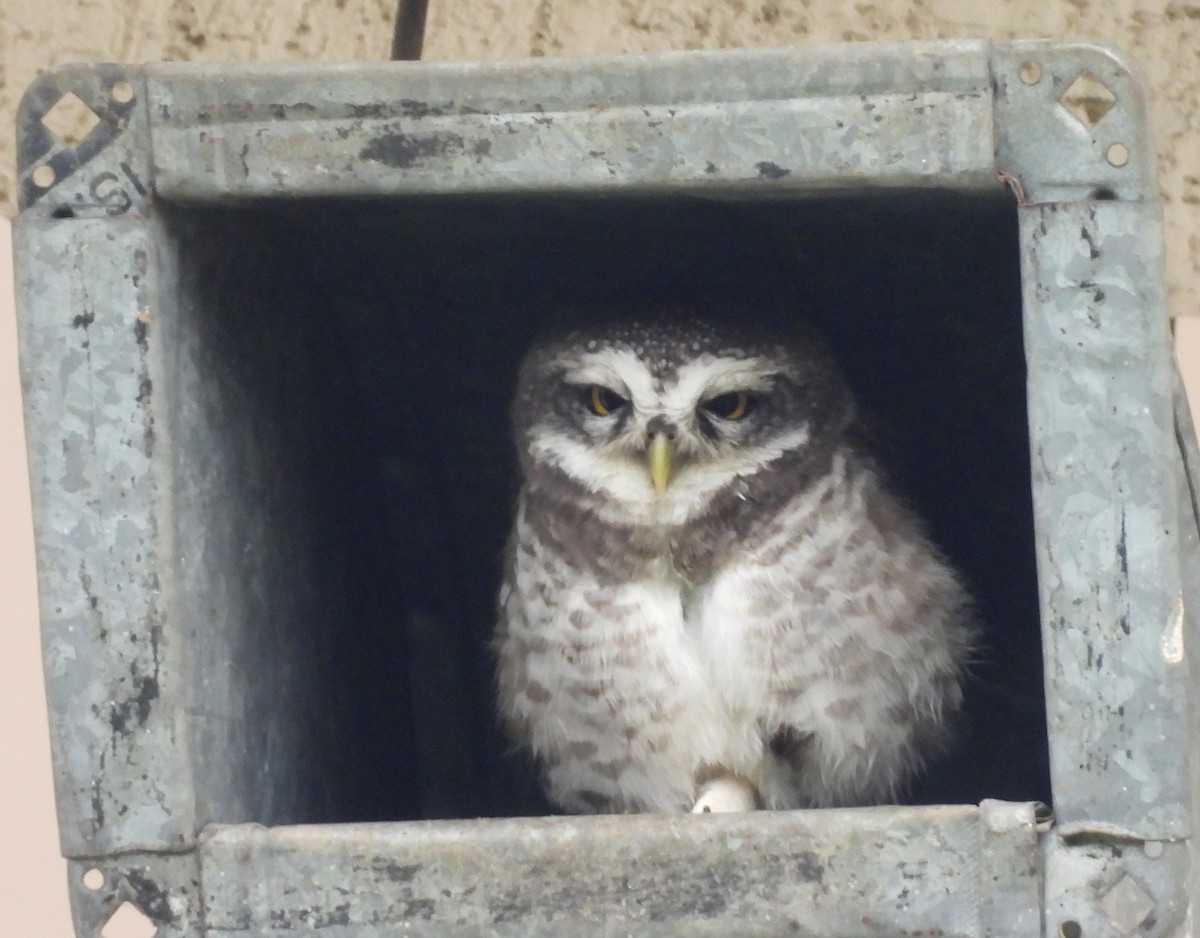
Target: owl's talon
x=726 y=794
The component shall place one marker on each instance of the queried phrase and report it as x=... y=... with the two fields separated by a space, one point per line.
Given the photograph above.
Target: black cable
x=409 y=33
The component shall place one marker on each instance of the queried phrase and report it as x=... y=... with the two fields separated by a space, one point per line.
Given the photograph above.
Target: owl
x=712 y=600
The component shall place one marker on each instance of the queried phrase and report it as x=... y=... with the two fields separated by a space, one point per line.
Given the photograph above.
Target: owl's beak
x=662 y=458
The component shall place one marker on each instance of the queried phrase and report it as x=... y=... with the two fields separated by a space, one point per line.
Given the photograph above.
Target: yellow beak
x=662 y=454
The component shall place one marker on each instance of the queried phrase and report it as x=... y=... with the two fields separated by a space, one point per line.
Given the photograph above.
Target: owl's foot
x=726 y=793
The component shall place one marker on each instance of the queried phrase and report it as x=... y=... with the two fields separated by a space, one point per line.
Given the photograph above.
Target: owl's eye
x=731 y=406
x=602 y=402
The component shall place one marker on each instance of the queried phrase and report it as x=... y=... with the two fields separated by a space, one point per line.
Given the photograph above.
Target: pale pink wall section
x=1187 y=349
x=33 y=897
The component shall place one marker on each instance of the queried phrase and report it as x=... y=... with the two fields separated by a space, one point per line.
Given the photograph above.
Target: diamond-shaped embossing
x=1127 y=904
x=1088 y=99
x=70 y=120
x=128 y=922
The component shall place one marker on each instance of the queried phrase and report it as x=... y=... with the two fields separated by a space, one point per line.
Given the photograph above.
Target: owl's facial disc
x=664 y=440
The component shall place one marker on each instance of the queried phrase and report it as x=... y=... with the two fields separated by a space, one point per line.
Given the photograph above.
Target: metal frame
x=1112 y=451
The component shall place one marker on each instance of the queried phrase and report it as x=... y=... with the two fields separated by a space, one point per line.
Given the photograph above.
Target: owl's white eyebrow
x=618 y=369
x=709 y=376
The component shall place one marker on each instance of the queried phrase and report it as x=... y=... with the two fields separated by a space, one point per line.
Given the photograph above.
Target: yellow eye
x=732 y=406
x=602 y=402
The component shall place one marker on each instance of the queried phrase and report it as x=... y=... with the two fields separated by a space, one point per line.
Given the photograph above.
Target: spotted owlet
x=712 y=601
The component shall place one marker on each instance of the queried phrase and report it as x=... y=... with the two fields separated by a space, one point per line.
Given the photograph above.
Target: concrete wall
x=1162 y=37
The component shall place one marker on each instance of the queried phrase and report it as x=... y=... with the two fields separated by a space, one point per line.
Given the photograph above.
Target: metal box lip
x=994 y=123
x=797 y=869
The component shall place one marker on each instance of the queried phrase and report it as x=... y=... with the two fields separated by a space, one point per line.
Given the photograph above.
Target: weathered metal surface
x=1104 y=476
x=1010 y=869
x=768 y=121
x=784 y=873
x=92 y=364
x=108 y=173
x=1049 y=152
x=250 y=596
x=163 y=887
x=1112 y=887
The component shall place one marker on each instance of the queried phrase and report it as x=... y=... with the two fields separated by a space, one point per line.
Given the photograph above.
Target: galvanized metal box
x=269 y=320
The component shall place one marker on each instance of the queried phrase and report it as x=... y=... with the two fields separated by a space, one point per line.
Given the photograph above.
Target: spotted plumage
x=709 y=581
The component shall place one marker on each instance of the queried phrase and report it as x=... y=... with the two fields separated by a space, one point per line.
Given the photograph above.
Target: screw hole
x=1070 y=929
x=122 y=92
x=1104 y=194
x=1030 y=73
x=64 y=211
x=1117 y=155
x=44 y=176
x=93 y=879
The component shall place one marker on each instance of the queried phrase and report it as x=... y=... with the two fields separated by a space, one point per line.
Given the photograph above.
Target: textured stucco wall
x=1162 y=36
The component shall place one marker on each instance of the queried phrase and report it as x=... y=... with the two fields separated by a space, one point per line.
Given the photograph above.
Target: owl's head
x=657 y=416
